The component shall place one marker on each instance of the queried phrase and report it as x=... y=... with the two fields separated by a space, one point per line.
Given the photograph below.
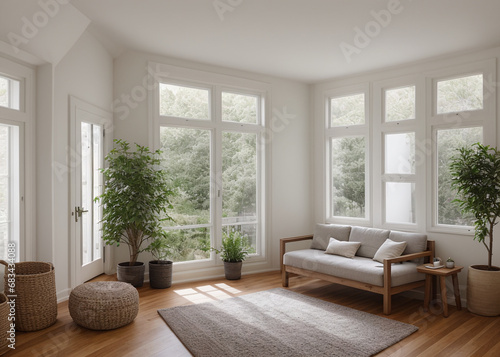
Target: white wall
x=462 y=248
x=290 y=177
x=86 y=72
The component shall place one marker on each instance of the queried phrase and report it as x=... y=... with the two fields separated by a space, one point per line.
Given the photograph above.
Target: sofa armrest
x=284 y=241
x=407 y=257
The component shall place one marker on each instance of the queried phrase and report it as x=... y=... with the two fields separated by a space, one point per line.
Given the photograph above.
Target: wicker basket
x=35 y=291
x=4 y=324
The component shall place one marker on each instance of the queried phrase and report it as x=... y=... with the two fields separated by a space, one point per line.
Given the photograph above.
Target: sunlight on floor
x=207 y=293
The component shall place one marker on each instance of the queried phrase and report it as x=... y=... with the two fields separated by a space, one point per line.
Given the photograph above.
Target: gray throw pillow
x=371 y=240
x=323 y=233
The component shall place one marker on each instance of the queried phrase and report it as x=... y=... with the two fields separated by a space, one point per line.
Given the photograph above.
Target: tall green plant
x=475 y=175
x=135 y=199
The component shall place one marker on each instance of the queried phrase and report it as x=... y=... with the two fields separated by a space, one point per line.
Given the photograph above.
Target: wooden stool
x=442 y=273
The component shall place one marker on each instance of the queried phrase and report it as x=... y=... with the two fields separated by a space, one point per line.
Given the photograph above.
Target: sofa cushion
x=370 y=238
x=358 y=268
x=323 y=233
x=342 y=248
x=388 y=250
x=415 y=242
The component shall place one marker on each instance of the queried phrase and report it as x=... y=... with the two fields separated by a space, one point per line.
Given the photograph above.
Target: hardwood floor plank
x=461 y=334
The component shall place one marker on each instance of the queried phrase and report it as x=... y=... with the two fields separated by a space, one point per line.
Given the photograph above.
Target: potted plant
x=160 y=270
x=476 y=177
x=135 y=201
x=233 y=252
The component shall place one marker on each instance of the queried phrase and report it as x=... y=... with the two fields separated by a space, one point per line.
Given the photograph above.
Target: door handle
x=79 y=211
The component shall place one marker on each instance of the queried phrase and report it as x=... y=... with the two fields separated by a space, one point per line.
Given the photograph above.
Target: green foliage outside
x=348 y=174
x=135 y=199
x=475 y=174
x=187 y=157
x=4 y=86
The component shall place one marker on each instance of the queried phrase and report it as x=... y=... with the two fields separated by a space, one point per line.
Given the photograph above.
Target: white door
x=88 y=148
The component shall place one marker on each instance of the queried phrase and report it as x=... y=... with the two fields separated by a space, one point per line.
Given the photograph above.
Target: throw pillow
x=389 y=249
x=343 y=248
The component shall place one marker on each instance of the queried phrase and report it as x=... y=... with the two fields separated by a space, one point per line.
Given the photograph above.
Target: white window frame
x=380 y=129
x=24 y=120
x=336 y=132
x=484 y=118
x=218 y=83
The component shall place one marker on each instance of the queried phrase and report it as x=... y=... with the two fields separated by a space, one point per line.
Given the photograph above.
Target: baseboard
x=63 y=295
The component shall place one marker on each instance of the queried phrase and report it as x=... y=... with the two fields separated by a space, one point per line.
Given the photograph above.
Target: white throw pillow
x=343 y=248
x=389 y=249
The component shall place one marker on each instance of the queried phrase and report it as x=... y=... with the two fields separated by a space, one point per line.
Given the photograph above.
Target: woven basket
x=4 y=324
x=35 y=291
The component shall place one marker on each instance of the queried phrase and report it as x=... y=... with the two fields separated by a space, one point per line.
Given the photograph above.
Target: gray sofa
x=388 y=276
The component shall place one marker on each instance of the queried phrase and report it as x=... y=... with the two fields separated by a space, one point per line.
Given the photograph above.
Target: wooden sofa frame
x=387 y=290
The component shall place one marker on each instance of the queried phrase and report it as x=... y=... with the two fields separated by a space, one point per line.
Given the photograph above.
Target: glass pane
x=186 y=156
x=348 y=176
x=86 y=199
x=9 y=190
x=4 y=92
x=248 y=232
x=400 y=153
x=186 y=244
x=9 y=93
x=456 y=95
x=448 y=141
x=239 y=108
x=98 y=156
x=400 y=202
x=400 y=104
x=184 y=102
x=349 y=110
x=239 y=177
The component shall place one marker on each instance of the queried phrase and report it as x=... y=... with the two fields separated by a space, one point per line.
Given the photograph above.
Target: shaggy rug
x=279 y=322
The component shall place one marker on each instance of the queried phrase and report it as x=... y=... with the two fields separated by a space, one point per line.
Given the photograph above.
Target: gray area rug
x=279 y=322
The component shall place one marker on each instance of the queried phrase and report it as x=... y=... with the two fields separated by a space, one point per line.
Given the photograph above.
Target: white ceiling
x=297 y=39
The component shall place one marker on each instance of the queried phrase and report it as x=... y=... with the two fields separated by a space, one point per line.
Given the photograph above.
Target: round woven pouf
x=104 y=305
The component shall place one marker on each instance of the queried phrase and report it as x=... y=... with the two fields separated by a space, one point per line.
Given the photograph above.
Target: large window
x=389 y=165
x=346 y=137
x=15 y=127
x=211 y=139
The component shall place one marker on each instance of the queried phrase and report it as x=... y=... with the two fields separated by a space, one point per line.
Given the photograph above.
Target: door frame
x=75 y=105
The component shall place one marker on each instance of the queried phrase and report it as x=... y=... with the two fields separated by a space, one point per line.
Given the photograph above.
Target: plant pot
x=160 y=274
x=133 y=274
x=232 y=270
x=483 y=291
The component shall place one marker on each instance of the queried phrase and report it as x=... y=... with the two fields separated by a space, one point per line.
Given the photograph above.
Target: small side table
x=442 y=273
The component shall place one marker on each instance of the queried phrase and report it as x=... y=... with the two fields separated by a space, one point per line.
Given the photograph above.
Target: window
x=400 y=104
x=347 y=140
x=348 y=110
x=388 y=145
x=10 y=93
x=460 y=94
x=212 y=139
x=10 y=209
x=348 y=176
x=462 y=116
x=16 y=161
x=447 y=142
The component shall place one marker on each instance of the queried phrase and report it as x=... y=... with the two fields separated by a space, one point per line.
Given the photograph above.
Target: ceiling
x=304 y=40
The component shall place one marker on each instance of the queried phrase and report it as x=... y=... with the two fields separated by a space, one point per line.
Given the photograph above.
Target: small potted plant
x=233 y=252
x=160 y=269
x=450 y=263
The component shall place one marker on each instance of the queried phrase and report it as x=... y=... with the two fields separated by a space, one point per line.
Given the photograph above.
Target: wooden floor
x=461 y=334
